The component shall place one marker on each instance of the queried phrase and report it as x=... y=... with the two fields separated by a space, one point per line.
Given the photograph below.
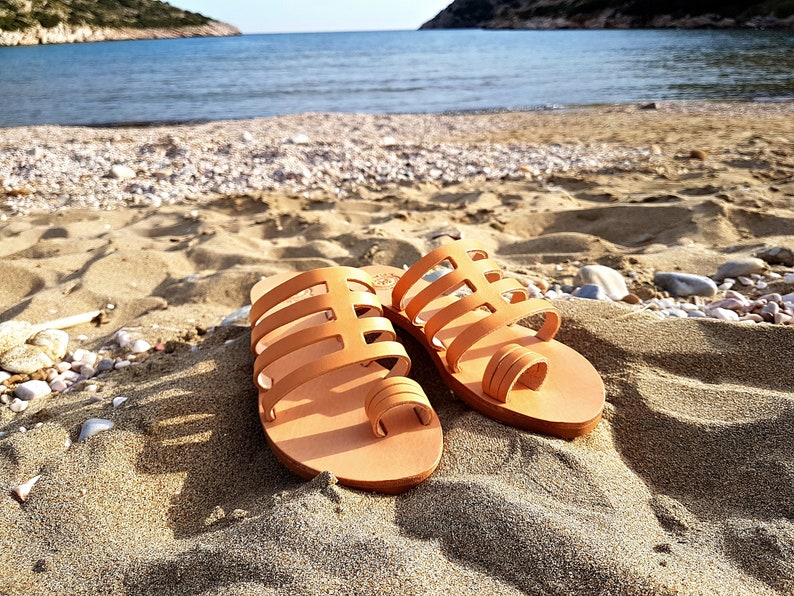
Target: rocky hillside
x=606 y=14
x=25 y=22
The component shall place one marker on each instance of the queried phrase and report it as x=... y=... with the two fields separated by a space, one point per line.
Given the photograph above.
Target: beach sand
x=685 y=487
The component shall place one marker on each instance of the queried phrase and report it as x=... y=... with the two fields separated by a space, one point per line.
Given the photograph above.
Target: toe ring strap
x=395 y=392
x=510 y=364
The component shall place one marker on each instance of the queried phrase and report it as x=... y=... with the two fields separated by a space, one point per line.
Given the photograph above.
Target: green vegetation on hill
x=16 y=15
x=501 y=13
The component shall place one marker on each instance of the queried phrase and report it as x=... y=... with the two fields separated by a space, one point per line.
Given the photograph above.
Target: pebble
x=22 y=491
x=58 y=385
x=743 y=267
x=301 y=140
x=697 y=314
x=82 y=356
x=724 y=314
x=591 y=291
x=14 y=333
x=53 y=342
x=745 y=281
x=4 y=376
x=93 y=426
x=607 y=278
x=32 y=390
x=685 y=284
x=777 y=255
x=117 y=401
x=246 y=137
x=122 y=172
x=788 y=278
x=105 y=364
x=123 y=338
x=18 y=405
x=24 y=359
x=139 y=346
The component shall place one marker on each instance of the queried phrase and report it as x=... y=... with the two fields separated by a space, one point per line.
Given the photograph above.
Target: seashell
x=14 y=333
x=22 y=491
x=24 y=359
x=93 y=426
x=53 y=342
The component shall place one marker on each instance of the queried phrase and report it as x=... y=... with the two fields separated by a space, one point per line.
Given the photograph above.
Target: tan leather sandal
x=327 y=399
x=465 y=319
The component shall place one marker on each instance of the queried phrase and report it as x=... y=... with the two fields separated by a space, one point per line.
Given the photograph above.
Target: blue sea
x=396 y=72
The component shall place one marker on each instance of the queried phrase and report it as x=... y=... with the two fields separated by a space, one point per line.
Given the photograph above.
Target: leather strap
x=396 y=392
x=510 y=364
x=352 y=337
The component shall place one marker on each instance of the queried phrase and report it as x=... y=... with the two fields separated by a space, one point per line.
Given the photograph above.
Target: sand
x=685 y=487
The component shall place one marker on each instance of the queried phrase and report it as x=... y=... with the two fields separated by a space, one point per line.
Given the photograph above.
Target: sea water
x=387 y=71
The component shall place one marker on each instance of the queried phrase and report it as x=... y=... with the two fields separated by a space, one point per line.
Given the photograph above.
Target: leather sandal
x=466 y=319
x=333 y=394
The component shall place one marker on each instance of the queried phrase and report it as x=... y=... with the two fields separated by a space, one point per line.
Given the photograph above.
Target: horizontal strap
x=396 y=392
x=293 y=287
x=510 y=364
x=466 y=304
x=326 y=364
x=351 y=339
x=455 y=252
x=506 y=314
x=306 y=307
x=449 y=281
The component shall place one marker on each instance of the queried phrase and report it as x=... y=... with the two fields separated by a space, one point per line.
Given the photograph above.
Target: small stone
x=770 y=311
x=388 y=142
x=53 y=342
x=139 y=346
x=677 y=312
x=32 y=390
x=301 y=140
x=123 y=338
x=14 y=333
x=761 y=285
x=58 y=385
x=745 y=281
x=782 y=318
x=87 y=371
x=743 y=267
x=18 y=405
x=246 y=137
x=122 y=364
x=631 y=299
x=22 y=491
x=117 y=401
x=82 y=356
x=122 y=172
x=105 y=364
x=4 y=376
x=724 y=314
x=788 y=278
x=590 y=291
x=608 y=279
x=94 y=426
x=63 y=366
x=777 y=255
x=752 y=317
x=685 y=284
x=698 y=154
x=696 y=314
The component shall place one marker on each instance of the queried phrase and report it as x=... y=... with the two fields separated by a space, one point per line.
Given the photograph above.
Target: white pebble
x=761 y=285
x=122 y=364
x=123 y=339
x=18 y=405
x=789 y=278
x=84 y=357
x=64 y=366
x=93 y=426
x=4 y=376
x=90 y=388
x=32 y=390
x=59 y=385
x=139 y=346
x=745 y=281
x=724 y=314
x=117 y=401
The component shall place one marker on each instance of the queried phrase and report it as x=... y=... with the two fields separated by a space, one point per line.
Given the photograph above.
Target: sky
x=293 y=16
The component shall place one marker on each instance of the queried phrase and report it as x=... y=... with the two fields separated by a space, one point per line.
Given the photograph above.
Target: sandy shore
x=685 y=487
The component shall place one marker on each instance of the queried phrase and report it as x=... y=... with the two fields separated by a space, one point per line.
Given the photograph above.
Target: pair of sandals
x=333 y=390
